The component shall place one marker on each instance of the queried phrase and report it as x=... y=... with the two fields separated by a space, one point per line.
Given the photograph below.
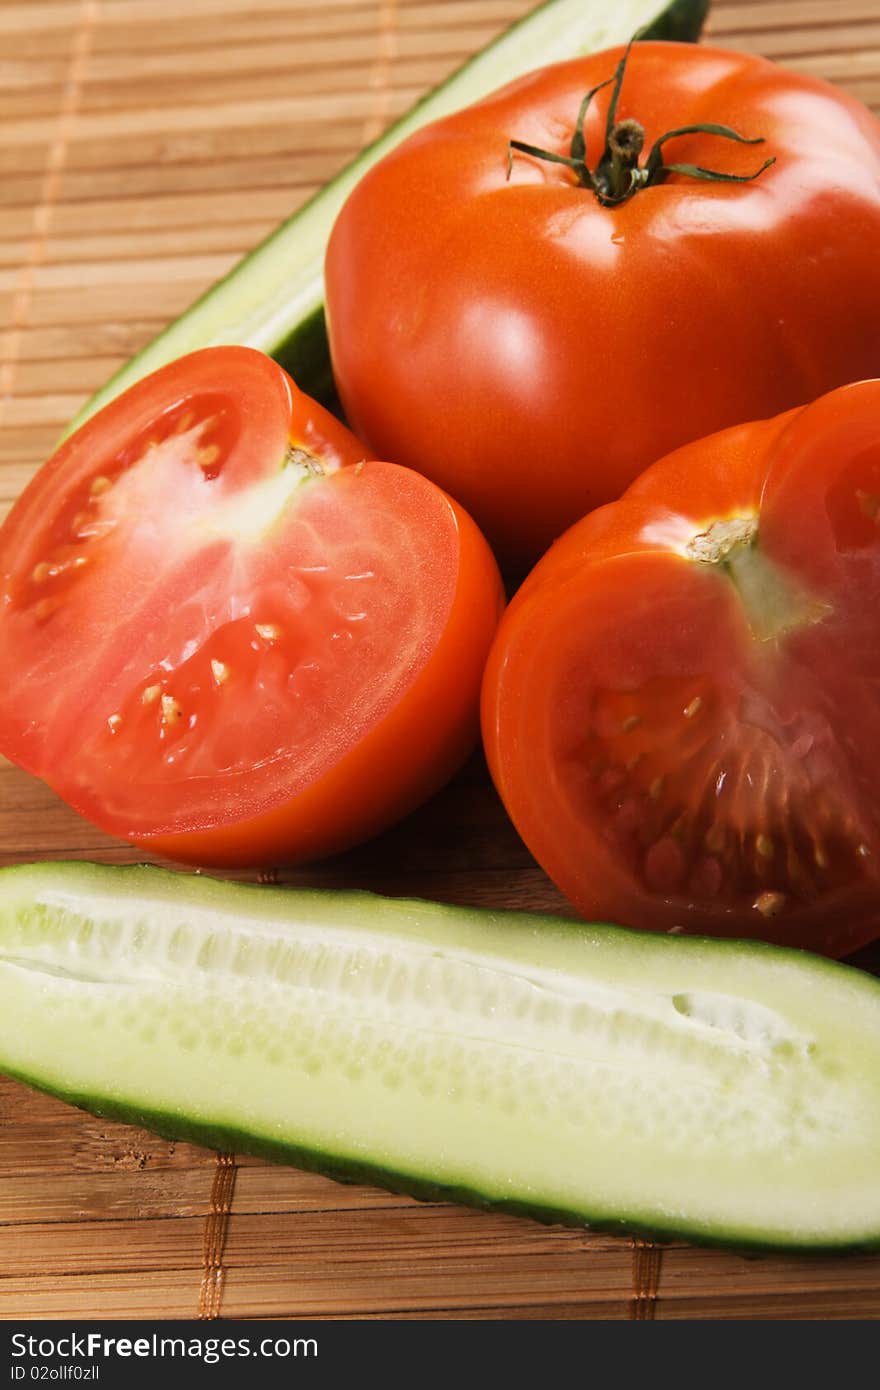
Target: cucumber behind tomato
x=274 y=299
x=724 y=1091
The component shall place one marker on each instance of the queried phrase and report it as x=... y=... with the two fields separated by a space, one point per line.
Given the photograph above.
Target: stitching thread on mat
x=213 y=1276
x=646 y=1262
x=80 y=51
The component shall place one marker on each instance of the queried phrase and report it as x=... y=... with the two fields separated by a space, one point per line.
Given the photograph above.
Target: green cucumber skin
x=165 y=886
x=300 y=345
x=177 y=1129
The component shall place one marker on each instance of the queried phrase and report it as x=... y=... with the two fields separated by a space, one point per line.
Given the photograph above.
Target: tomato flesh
x=681 y=708
x=213 y=599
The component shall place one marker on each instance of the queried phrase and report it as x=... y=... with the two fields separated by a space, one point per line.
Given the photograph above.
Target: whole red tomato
x=681 y=710
x=226 y=635
x=532 y=346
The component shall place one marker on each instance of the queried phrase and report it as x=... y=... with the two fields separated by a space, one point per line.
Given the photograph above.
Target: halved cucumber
x=274 y=298
x=723 y=1090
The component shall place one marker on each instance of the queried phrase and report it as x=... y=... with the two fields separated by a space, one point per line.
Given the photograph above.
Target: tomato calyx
x=301 y=458
x=618 y=176
x=721 y=541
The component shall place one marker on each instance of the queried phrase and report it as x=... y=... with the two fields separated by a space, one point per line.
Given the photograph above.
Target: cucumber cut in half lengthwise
x=724 y=1091
x=274 y=299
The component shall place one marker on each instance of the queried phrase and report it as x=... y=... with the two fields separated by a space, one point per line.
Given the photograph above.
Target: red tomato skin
x=412 y=746
x=533 y=351
x=629 y=552
x=404 y=759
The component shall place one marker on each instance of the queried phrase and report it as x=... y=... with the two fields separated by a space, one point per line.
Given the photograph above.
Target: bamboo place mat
x=144 y=146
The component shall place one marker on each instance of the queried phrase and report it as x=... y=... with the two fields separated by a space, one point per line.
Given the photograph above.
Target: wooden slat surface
x=144 y=146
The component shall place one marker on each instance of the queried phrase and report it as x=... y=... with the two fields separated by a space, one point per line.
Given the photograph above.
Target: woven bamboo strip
x=143 y=146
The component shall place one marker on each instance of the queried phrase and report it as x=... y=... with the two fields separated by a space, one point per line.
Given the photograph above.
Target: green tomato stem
x=618 y=176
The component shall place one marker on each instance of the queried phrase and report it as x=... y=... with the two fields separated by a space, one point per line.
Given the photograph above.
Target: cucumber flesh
x=725 y=1091
x=274 y=299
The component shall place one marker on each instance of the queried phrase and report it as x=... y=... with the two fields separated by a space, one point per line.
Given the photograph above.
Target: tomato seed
x=114 y=722
x=630 y=723
x=764 y=846
x=45 y=608
x=694 y=707
x=171 y=710
x=99 y=485
x=220 y=671
x=151 y=694
x=664 y=865
x=678 y=831
x=208 y=456
x=656 y=788
x=270 y=632
x=41 y=572
x=714 y=840
x=769 y=904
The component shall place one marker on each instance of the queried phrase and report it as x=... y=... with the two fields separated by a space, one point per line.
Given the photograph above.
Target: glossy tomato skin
x=233 y=637
x=680 y=709
x=533 y=351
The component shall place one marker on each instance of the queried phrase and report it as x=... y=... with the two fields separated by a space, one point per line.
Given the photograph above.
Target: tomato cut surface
x=229 y=635
x=681 y=709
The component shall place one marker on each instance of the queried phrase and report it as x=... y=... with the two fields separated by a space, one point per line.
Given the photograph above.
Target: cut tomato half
x=682 y=707
x=226 y=634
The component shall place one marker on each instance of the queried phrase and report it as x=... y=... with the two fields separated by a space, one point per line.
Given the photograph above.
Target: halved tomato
x=229 y=637
x=682 y=707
